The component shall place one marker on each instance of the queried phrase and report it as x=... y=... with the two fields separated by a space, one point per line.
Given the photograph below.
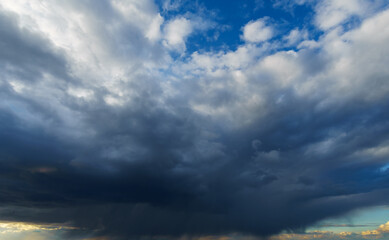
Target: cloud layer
x=105 y=128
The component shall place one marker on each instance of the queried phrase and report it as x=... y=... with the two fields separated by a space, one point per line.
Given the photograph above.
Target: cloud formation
x=257 y=31
x=380 y=233
x=104 y=128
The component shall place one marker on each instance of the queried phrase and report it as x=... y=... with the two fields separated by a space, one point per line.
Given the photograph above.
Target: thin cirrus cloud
x=112 y=127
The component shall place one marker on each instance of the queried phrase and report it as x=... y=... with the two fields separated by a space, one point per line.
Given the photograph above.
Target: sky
x=194 y=120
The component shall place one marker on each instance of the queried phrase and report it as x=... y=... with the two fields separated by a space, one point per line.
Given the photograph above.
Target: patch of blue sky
x=356 y=221
x=232 y=16
x=384 y=168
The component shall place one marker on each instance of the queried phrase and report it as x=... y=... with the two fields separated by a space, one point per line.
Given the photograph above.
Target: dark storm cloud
x=159 y=168
x=158 y=193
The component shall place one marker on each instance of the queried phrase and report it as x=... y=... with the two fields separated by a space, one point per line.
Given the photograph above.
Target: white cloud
x=333 y=12
x=154 y=31
x=171 y=5
x=257 y=31
x=295 y=36
x=338 y=67
x=176 y=31
x=124 y=49
x=103 y=50
x=144 y=14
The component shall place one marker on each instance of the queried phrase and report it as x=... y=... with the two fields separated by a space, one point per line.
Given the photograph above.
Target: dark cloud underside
x=115 y=135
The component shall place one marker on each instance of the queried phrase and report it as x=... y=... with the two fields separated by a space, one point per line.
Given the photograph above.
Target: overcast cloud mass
x=127 y=119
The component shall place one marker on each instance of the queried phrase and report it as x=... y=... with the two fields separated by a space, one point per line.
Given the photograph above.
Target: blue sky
x=206 y=120
x=230 y=16
x=357 y=221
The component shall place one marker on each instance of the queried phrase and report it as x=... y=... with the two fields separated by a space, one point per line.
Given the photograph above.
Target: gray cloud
x=108 y=132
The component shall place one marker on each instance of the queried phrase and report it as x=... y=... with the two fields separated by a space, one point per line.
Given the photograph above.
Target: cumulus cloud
x=104 y=129
x=176 y=32
x=257 y=31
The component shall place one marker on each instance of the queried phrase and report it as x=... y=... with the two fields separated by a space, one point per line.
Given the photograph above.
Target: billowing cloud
x=104 y=129
x=177 y=31
x=257 y=31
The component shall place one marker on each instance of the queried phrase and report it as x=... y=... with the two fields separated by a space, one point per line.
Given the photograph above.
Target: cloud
x=288 y=5
x=296 y=36
x=332 y=13
x=176 y=32
x=103 y=128
x=379 y=233
x=257 y=31
x=20 y=230
x=154 y=32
